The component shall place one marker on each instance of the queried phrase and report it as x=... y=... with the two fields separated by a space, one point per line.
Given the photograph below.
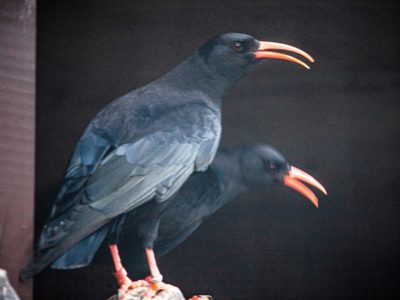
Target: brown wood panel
x=17 y=115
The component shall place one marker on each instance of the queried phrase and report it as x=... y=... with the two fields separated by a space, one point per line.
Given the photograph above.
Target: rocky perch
x=168 y=292
x=6 y=290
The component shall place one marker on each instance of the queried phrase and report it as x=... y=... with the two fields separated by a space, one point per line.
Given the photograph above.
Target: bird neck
x=229 y=171
x=194 y=76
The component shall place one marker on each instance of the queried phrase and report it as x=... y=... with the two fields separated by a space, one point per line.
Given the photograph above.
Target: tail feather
x=80 y=255
x=83 y=252
x=37 y=264
x=61 y=243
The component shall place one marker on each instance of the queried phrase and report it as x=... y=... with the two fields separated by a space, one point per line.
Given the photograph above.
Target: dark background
x=340 y=121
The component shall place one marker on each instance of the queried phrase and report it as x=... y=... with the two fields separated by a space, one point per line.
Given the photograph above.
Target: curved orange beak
x=264 y=51
x=292 y=180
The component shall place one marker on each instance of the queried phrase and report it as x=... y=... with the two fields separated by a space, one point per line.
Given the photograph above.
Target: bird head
x=262 y=164
x=230 y=54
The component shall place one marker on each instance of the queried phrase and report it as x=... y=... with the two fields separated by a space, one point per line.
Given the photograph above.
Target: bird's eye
x=237 y=46
x=270 y=166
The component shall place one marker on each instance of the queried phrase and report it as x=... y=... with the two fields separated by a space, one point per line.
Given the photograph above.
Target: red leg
x=124 y=282
x=120 y=272
x=155 y=279
x=155 y=272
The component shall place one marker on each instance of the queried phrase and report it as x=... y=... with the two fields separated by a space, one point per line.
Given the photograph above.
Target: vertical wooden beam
x=17 y=112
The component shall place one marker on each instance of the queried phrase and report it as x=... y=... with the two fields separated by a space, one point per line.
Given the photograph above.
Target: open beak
x=292 y=180
x=264 y=51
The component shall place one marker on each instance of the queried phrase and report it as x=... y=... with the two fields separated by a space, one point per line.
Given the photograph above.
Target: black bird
x=234 y=171
x=144 y=145
x=163 y=226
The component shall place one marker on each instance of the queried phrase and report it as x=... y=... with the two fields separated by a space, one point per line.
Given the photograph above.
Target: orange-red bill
x=301 y=188
x=265 y=47
x=292 y=180
x=307 y=178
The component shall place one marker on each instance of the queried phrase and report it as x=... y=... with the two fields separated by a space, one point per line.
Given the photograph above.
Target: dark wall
x=340 y=121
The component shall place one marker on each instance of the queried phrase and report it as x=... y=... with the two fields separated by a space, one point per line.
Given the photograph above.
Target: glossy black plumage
x=141 y=147
x=164 y=226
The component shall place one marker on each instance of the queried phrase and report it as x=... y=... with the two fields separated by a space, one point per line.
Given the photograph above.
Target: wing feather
x=105 y=179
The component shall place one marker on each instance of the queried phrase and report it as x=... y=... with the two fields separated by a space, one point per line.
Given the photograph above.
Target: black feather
x=142 y=146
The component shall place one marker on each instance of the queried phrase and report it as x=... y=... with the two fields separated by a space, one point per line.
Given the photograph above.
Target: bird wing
x=89 y=152
x=165 y=246
x=104 y=180
x=192 y=129
x=155 y=166
x=199 y=197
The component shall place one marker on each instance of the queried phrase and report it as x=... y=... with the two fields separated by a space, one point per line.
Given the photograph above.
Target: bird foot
x=131 y=285
x=201 y=297
x=156 y=286
x=126 y=284
x=154 y=279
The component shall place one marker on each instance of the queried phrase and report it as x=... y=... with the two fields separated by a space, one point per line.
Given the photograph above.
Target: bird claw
x=154 y=279
x=131 y=285
x=155 y=288
x=151 y=287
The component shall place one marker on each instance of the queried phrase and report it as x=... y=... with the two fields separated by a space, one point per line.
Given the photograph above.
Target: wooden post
x=17 y=107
